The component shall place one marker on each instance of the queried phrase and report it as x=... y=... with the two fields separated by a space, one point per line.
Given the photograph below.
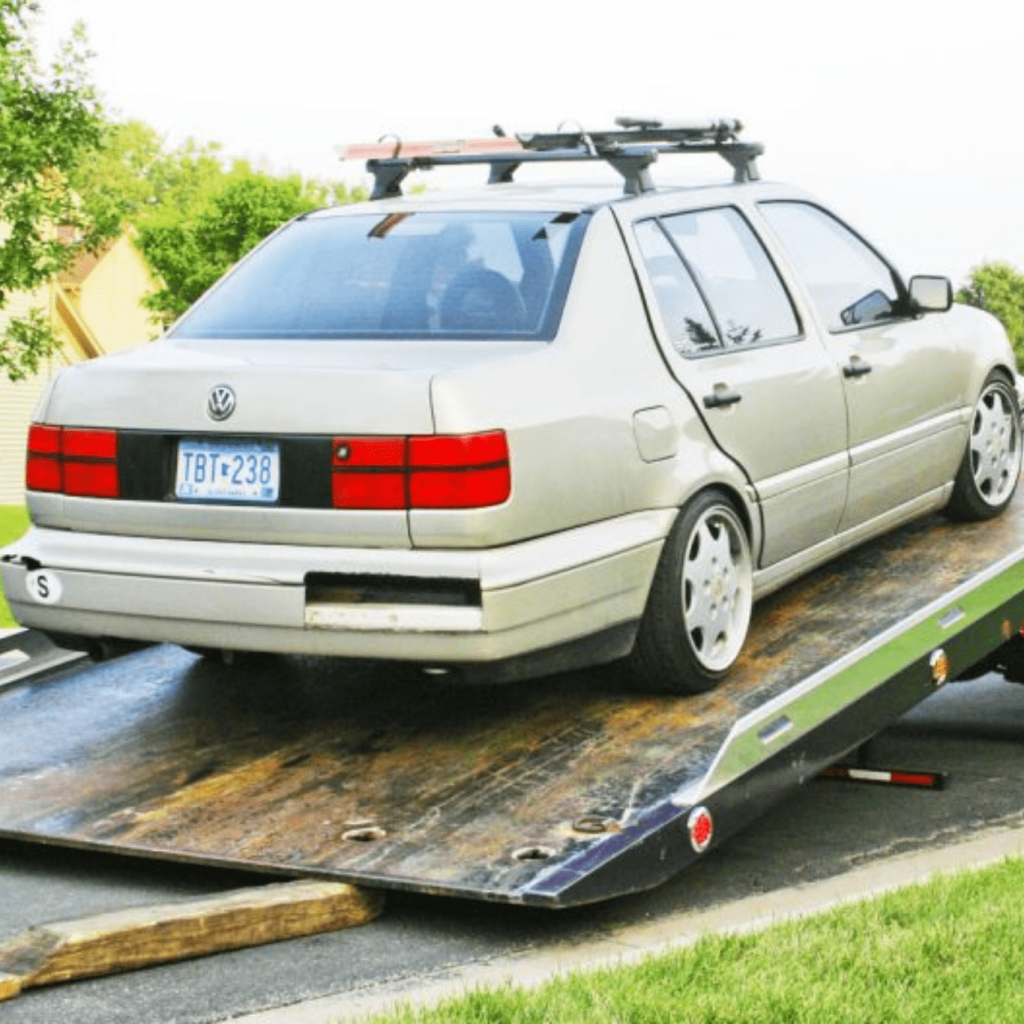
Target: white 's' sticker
x=44 y=586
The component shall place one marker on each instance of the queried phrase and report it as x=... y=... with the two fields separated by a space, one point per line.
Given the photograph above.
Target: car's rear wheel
x=988 y=474
x=698 y=611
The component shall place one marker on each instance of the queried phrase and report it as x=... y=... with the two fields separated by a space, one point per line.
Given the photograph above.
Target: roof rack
x=630 y=148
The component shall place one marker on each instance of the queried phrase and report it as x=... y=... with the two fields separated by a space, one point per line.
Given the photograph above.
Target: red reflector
x=451 y=451
x=459 y=488
x=42 y=474
x=91 y=479
x=701 y=827
x=360 y=452
x=368 y=490
x=44 y=440
x=90 y=444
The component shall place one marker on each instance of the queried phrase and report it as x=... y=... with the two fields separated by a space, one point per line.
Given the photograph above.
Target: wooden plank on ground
x=124 y=940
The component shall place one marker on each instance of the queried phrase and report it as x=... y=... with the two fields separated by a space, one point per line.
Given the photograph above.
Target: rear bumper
x=354 y=602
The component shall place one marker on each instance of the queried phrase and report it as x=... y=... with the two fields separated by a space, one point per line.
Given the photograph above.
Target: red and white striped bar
x=885 y=777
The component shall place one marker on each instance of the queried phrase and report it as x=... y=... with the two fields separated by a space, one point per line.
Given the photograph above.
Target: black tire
x=698 y=610
x=987 y=477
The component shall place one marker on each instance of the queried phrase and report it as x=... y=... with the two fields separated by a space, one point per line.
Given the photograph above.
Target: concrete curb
x=635 y=942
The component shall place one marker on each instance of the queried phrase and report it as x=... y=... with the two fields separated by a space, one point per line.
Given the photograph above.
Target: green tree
x=195 y=212
x=117 y=182
x=49 y=119
x=191 y=249
x=998 y=288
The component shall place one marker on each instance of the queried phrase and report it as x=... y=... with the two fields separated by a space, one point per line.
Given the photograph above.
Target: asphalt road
x=973 y=731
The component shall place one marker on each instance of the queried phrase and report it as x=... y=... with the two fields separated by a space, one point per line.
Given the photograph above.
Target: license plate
x=222 y=471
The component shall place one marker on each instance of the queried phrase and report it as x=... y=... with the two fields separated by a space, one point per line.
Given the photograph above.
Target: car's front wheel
x=698 y=611
x=988 y=474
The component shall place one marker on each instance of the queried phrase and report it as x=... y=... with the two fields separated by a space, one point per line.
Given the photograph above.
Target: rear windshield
x=403 y=275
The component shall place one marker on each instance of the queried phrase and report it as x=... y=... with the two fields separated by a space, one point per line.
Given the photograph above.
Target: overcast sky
x=904 y=115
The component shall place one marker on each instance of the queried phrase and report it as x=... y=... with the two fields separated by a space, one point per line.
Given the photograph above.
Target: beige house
x=96 y=309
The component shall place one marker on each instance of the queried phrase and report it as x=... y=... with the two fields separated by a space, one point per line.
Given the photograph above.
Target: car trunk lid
x=337 y=428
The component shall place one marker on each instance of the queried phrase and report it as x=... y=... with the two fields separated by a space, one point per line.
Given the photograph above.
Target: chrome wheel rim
x=995 y=445
x=717 y=574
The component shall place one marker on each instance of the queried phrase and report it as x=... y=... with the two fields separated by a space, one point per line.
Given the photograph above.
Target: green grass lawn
x=946 y=951
x=13 y=523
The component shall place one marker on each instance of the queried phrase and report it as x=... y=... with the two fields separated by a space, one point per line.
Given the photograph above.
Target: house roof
x=85 y=262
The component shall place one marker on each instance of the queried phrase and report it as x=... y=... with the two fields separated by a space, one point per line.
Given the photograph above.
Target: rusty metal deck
x=555 y=792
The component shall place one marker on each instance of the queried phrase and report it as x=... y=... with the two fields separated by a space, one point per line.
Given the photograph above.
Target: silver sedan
x=512 y=431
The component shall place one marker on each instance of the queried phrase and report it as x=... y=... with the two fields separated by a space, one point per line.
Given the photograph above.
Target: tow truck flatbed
x=558 y=792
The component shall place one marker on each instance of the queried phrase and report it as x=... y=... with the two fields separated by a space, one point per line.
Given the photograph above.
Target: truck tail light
x=81 y=462
x=440 y=471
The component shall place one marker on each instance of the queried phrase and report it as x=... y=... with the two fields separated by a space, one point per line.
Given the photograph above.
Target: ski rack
x=630 y=149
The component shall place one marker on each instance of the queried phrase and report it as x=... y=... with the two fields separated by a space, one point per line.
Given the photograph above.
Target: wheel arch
x=734 y=486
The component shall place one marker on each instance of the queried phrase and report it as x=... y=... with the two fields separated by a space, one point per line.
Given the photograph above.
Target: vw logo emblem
x=221 y=403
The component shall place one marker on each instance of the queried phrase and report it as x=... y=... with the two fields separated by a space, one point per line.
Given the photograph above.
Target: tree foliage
x=191 y=250
x=196 y=213
x=118 y=180
x=49 y=118
x=998 y=288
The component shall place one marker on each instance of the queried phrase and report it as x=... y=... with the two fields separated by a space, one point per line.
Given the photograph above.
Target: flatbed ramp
x=557 y=792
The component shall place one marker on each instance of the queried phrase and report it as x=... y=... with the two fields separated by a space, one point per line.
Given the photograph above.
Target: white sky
x=903 y=115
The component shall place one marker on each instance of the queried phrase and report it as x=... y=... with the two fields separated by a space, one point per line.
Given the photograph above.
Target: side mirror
x=930 y=294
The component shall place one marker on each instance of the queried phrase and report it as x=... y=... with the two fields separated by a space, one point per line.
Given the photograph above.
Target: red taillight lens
x=466 y=488
x=428 y=472
x=44 y=440
x=368 y=490
x=372 y=452
x=42 y=466
x=447 y=452
x=74 y=461
x=470 y=471
x=369 y=472
x=89 y=444
x=91 y=480
x=43 y=474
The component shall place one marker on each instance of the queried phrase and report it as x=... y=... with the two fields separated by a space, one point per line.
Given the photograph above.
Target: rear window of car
x=401 y=275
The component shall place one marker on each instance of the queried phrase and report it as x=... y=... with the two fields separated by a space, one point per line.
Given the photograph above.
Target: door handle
x=856 y=367
x=721 y=397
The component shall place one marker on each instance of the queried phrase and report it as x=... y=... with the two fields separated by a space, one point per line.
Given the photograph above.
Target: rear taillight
x=459 y=472
x=81 y=462
x=43 y=471
x=430 y=472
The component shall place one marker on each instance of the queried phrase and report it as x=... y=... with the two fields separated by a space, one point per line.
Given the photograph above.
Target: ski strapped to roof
x=630 y=148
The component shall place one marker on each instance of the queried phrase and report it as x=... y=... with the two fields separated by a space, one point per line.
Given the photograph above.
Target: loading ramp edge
x=752 y=770
x=28 y=654
x=963 y=626
x=765 y=749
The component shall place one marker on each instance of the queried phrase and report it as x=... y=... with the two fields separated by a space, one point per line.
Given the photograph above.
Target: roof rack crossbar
x=630 y=149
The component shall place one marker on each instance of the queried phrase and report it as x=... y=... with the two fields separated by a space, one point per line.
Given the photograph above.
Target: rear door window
x=715 y=286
